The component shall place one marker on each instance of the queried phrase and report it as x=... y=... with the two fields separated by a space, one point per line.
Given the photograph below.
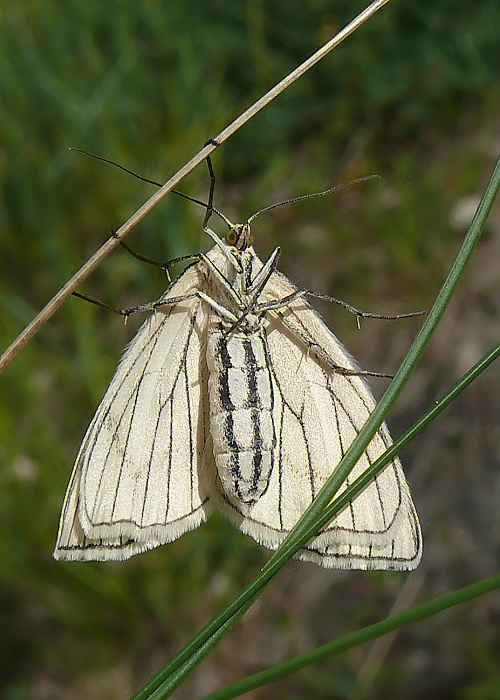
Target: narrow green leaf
x=354 y=639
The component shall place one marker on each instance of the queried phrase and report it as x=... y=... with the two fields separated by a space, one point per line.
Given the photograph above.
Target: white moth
x=233 y=395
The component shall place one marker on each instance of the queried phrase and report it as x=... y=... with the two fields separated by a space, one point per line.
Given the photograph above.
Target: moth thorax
x=241 y=404
x=247 y=325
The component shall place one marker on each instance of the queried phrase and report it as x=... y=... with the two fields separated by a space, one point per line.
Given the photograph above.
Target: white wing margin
x=142 y=476
x=318 y=412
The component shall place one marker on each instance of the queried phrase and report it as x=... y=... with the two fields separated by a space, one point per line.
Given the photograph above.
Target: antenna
x=311 y=196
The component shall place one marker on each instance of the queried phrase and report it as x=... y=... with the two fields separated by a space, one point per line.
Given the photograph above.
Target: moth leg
x=262 y=277
x=150 y=306
x=223 y=281
x=362 y=314
x=154 y=305
x=209 y=211
x=221 y=310
x=322 y=354
x=279 y=303
x=165 y=265
x=224 y=248
x=210 y=206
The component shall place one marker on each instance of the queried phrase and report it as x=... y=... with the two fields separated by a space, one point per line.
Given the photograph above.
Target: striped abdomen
x=241 y=404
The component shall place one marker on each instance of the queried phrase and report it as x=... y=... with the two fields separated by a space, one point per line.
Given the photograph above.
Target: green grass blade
x=419 y=612
x=172 y=675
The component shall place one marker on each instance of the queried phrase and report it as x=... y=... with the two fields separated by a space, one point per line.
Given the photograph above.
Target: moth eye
x=231 y=237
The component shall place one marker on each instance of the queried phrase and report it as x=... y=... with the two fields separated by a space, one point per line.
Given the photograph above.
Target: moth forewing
x=139 y=478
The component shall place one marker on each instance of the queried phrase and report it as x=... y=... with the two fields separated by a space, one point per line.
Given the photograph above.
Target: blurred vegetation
x=412 y=96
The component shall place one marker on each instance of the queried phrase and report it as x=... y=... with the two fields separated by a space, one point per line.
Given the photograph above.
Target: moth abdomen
x=241 y=413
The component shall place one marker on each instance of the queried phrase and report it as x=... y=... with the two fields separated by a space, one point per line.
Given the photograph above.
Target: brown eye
x=231 y=237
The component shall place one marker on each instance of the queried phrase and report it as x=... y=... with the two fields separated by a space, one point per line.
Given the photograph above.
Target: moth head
x=239 y=236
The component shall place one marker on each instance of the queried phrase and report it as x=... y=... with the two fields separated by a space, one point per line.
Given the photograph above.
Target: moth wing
x=317 y=414
x=141 y=477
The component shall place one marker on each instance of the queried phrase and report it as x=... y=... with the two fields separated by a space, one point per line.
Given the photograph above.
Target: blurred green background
x=413 y=96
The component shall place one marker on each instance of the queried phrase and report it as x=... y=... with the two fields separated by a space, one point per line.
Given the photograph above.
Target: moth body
x=234 y=395
x=241 y=412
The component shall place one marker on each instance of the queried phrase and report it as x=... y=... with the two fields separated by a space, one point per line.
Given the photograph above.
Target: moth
x=234 y=395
